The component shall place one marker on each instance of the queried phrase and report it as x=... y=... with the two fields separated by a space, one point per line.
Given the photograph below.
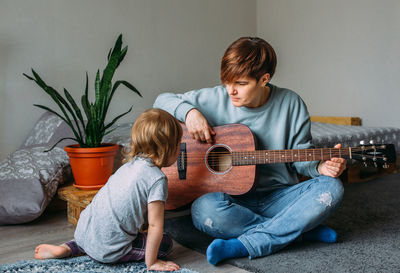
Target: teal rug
x=81 y=264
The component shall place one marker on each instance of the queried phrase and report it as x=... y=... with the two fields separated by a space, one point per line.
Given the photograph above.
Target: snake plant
x=89 y=132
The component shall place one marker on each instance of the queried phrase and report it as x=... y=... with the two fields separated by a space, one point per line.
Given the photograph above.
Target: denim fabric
x=267 y=224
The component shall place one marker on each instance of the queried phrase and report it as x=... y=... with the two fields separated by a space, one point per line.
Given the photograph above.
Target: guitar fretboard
x=285 y=156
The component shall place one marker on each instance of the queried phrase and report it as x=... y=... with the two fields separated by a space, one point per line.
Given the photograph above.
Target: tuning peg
x=375 y=164
x=372 y=142
x=362 y=142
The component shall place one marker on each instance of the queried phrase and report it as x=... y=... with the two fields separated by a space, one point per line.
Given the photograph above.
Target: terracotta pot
x=91 y=167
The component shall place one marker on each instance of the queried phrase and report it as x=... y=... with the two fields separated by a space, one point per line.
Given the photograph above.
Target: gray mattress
x=326 y=135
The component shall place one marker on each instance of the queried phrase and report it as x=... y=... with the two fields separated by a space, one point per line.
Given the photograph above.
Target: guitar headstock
x=381 y=154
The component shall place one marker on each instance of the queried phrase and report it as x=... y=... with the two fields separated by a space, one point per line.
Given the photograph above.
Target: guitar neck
x=286 y=156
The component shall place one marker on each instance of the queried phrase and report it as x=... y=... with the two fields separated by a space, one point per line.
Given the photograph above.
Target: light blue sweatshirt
x=281 y=123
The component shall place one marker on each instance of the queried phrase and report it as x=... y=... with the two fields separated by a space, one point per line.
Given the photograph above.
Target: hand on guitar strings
x=198 y=127
x=333 y=167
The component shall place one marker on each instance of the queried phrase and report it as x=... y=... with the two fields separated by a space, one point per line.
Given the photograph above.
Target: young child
x=108 y=229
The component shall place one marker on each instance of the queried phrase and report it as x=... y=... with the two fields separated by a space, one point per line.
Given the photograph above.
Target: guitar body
x=204 y=173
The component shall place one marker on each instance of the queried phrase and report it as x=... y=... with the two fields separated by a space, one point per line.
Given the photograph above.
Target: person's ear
x=265 y=79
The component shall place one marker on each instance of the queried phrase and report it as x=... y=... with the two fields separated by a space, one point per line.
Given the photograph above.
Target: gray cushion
x=47 y=131
x=29 y=177
x=28 y=180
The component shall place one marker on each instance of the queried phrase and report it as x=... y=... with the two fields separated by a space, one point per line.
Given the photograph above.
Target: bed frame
x=355 y=121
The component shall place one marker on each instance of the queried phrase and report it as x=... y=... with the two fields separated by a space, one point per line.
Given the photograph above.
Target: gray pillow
x=47 y=131
x=29 y=178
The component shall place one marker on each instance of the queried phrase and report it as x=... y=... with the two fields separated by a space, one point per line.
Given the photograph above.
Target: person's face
x=248 y=92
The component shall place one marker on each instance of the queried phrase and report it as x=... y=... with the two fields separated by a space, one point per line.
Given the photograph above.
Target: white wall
x=174 y=45
x=341 y=56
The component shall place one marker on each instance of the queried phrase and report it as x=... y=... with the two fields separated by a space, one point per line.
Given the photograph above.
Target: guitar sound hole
x=219 y=159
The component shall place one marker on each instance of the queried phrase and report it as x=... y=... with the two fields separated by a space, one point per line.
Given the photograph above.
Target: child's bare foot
x=52 y=251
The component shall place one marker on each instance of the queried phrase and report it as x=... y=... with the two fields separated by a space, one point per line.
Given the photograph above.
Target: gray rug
x=368 y=226
x=81 y=264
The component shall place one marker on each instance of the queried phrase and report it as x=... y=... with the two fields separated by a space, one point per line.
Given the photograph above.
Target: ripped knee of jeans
x=208 y=223
x=325 y=198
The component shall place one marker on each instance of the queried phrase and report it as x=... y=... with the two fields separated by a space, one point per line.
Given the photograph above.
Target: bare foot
x=52 y=251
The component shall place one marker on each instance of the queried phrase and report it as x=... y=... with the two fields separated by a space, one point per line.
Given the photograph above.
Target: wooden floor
x=18 y=242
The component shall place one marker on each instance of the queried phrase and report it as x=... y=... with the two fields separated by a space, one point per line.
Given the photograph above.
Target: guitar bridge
x=182 y=162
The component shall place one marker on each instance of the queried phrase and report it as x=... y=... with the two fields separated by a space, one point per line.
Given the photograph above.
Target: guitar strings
x=280 y=156
x=194 y=156
x=324 y=150
x=304 y=157
x=216 y=162
x=287 y=153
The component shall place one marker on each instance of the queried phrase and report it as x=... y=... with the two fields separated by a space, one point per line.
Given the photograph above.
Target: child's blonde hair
x=156 y=135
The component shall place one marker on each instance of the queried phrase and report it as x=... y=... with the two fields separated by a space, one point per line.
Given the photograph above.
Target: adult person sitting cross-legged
x=281 y=209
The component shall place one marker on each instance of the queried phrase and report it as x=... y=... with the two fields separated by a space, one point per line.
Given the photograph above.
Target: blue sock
x=220 y=250
x=321 y=233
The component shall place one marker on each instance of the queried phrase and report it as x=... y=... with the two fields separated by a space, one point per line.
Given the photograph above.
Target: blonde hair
x=156 y=135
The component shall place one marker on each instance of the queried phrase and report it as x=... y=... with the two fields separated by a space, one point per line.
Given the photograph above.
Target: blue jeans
x=267 y=224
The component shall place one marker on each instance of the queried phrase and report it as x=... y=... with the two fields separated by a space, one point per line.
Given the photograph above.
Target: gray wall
x=341 y=56
x=174 y=45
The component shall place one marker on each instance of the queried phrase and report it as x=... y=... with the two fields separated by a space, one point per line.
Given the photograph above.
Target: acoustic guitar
x=229 y=164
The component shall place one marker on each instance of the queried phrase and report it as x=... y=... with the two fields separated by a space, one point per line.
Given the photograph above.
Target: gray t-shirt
x=107 y=227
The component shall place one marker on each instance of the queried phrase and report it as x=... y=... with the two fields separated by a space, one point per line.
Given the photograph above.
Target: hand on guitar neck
x=333 y=167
